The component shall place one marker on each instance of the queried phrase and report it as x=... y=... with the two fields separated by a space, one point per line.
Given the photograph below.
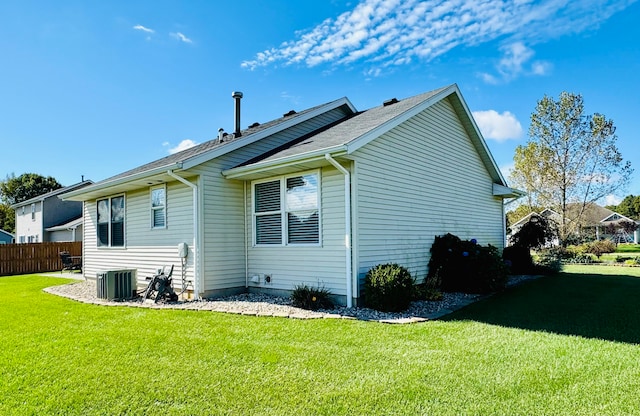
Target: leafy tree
x=14 y=189
x=570 y=159
x=7 y=218
x=629 y=207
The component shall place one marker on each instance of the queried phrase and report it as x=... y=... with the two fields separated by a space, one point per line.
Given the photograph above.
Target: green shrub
x=388 y=287
x=312 y=298
x=465 y=266
x=582 y=258
x=600 y=247
x=548 y=262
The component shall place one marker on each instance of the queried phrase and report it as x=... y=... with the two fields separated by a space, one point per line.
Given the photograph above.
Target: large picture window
x=286 y=210
x=111 y=222
x=158 y=207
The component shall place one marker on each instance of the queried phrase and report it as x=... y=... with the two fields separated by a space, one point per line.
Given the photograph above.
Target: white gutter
x=347 y=227
x=196 y=234
x=246 y=238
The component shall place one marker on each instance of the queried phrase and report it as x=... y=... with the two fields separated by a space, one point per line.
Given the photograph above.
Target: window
x=158 y=207
x=33 y=212
x=286 y=210
x=111 y=222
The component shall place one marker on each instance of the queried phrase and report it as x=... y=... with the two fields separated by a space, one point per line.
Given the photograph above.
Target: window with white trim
x=286 y=210
x=159 y=207
x=33 y=212
x=111 y=222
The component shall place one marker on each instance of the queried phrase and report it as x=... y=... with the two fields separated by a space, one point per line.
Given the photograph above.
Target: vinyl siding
x=222 y=220
x=224 y=216
x=422 y=179
x=322 y=265
x=145 y=249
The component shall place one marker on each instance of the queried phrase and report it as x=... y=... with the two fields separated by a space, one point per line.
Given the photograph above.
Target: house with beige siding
x=315 y=197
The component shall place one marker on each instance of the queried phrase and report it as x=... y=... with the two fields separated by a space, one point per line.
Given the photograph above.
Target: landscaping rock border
x=274 y=306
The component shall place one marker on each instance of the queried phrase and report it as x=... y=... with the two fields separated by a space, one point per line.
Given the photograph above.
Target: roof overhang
x=123 y=184
x=283 y=165
x=506 y=192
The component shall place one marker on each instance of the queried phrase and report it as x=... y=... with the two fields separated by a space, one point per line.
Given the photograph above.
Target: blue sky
x=96 y=88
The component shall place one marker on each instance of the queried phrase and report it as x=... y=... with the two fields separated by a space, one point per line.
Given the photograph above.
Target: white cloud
x=183 y=145
x=396 y=32
x=144 y=29
x=294 y=99
x=181 y=37
x=612 y=200
x=496 y=126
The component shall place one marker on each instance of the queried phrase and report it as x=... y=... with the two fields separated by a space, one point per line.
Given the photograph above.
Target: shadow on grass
x=586 y=305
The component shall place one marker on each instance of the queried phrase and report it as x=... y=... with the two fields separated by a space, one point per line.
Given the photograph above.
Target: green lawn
x=560 y=345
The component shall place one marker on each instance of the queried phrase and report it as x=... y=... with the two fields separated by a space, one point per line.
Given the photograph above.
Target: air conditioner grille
x=116 y=284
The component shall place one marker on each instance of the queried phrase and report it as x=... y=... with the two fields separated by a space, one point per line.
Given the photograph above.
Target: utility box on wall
x=116 y=284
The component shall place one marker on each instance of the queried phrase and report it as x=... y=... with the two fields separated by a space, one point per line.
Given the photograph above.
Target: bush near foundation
x=388 y=287
x=465 y=266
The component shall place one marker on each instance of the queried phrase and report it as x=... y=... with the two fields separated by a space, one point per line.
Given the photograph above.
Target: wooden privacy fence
x=35 y=257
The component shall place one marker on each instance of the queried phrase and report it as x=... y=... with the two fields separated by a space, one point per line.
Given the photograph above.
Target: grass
x=560 y=345
x=628 y=248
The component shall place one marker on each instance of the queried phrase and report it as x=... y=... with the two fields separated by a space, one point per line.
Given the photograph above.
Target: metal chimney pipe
x=237 y=96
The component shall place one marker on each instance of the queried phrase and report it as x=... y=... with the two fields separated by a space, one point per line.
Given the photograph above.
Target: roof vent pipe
x=237 y=96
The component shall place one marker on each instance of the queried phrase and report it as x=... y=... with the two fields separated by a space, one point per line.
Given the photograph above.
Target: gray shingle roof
x=347 y=130
x=207 y=146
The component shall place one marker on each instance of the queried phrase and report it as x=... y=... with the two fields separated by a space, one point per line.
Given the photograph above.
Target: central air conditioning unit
x=116 y=284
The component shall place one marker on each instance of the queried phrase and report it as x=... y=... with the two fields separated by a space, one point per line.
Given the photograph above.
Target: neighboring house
x=595 y=222
x=316 y=197
x=69 y=231
x=6 y=237
x=36 y=216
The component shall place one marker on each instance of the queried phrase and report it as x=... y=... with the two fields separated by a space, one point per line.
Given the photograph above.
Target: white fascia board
x=237 y=144
x=506 y=192
x=481 y=139
x=616 y=213
x=239 y=172
x=366 y=138
x=85 y=193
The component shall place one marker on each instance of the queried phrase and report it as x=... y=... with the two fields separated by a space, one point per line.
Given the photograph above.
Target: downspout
x=196 y=233
x=347 y=227
x=246 y=239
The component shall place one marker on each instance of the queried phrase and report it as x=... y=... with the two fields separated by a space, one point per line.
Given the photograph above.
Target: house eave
x=291 y=163
x=506 y=192
x=122 y=184
x=217 y=152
